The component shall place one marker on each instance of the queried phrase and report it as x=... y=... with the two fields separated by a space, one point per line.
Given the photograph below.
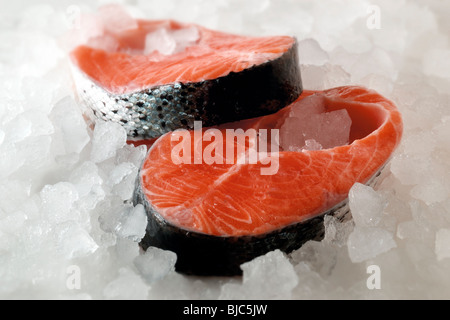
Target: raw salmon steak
x=217 y=216
x=159 y=76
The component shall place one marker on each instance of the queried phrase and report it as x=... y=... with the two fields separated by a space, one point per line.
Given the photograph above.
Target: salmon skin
x=218 y=216
x=218 y=78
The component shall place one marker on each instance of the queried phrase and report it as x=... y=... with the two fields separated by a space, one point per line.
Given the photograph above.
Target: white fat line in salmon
x=257 y=141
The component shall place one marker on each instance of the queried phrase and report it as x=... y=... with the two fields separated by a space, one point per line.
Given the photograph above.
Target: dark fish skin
x=206 y=255
x=260 y=90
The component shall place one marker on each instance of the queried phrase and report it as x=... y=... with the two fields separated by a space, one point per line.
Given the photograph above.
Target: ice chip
x=18 y=129
x=161 y=41
x=365 y=243
x=291 y=137
x=431 y=190
x=125 y=221
x=155 y=264
x=366 y=205
x=58 y=201
x=310 y=52
x=270 y=276
x=13 y=193
x=337 y=232
x=304 y=108
x=133 y=224
x=310 y=127
x=127 y=250
x=186 y=35
x=319 y=255
x=169 y=42
x=324 y=77
x=116 y=19
x=334 y=128
x=2 y=136
x=436 y=62
x=108 y=138
x=442 y=246
x=311 y=144
x=85 y=177
x=128 y=285
x=132 y=154
x=122 y=178
x=105 y=42
x=74 y=241
x=374 y=61
x=69 y=124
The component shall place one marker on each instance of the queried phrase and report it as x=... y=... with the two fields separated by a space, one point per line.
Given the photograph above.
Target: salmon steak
x=158 y=76
x=216 y=215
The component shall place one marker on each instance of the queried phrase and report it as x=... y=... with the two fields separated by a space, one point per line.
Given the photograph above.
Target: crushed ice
x=169 y=42
x=310 y=127
x=65 y=189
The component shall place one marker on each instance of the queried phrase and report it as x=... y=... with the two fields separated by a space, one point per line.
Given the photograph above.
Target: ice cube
x=125 y=221
x=366 y=205
x=323 y=77
x=374 y=61
x=13 y=222
x=116 y=19
x=18 y=129
x=58 y=201
x=311 y=144
x=85 y=177
x=321 y=256
x=88 y=182
x=436 y=62
x=69 y=123
x=133 y=223
x=365 y=243
x=155 y=264
x=310 y=52
x=402 y=165
x=2 y=136
x=185 y=36
x=107 y=43
x=161 y=41
x=270 y=276
x=169 y=42
x=108 y=138
x=128 y=285
x=291 y=137
x=111 y=214
x=74 y=241
x=123 y=178
x=377 y=82
x=442 y=246
x=132 y=154
x=337 y=232
x=176 y=286
x=35 y=150
x=419 y=143
x=334 y=128
x=431 y=190
x=127 y=250
x=13 y=194
x=314 y=131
